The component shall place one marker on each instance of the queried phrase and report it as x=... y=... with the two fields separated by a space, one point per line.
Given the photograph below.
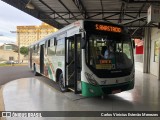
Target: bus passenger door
x=42 y=59
x=73 y=62
x=77 y=63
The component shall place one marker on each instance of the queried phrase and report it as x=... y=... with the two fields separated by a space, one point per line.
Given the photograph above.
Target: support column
x=147 y=50
x=159 y=63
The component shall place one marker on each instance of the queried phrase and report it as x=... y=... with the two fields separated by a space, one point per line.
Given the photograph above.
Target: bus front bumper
x=89 y=90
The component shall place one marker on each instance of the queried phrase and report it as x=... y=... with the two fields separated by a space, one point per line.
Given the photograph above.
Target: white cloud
x=5 y=39
x=12 y=17
x=10 y=14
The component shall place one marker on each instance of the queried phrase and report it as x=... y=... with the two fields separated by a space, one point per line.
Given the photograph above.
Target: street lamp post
x=18 y=47
x=18 y=39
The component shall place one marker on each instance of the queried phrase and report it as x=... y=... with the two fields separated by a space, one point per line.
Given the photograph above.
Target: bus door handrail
x=70 y=63
x=71 y=76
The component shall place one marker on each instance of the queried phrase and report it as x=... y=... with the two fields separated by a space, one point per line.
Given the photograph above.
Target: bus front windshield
x=109 y=51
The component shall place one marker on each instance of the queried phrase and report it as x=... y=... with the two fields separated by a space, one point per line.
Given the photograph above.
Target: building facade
x=26 y=35
x=8 y=52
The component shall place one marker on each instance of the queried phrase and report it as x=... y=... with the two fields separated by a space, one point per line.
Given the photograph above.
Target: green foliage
x=24 y=50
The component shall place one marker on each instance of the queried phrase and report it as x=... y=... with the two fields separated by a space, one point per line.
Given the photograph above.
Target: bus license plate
x=116 y=91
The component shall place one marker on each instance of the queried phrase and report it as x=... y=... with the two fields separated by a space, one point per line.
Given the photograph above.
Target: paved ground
x=9 y=73
x=144 y=97
x=31 y=94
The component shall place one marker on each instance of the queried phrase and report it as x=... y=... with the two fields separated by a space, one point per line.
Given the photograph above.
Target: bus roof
x=77 y=24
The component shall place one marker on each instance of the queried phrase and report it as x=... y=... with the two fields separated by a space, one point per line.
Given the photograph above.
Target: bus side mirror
x=83 y=43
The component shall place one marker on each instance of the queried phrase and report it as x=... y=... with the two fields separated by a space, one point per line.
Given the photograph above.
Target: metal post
x=159 y=63
x=18 y=39
x=18 y=47
x=75 y=64
x=147 y=51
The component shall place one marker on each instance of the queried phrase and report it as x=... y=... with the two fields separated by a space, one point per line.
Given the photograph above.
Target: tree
x=24 y=50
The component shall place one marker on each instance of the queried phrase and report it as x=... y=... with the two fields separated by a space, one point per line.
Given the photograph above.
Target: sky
x=10 y=17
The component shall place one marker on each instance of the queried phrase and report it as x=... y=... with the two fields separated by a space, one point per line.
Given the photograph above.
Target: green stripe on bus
x=50 y=73
x=91 y=90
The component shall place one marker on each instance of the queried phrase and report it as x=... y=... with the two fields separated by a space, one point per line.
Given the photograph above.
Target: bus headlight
x=91 y=79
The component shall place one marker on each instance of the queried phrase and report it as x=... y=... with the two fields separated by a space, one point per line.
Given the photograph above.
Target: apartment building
x=26 y=35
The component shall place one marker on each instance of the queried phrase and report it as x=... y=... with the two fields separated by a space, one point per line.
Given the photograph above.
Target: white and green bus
x=75 y=57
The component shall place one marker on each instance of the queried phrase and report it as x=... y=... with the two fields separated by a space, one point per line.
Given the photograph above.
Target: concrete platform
x=32 y=94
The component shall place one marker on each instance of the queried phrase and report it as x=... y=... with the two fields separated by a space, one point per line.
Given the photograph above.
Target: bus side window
x=38 y=49
x=48 y=46
x=48 y=43
x=34 y=47
x=55 y=41
x=45 y=47
x=51 y=48
x=45 y=44
x=34 y=50
x=70 y=51
x=60 y=47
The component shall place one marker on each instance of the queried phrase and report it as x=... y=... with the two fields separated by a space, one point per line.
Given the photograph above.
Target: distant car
x=16 y=62
x=11 y=62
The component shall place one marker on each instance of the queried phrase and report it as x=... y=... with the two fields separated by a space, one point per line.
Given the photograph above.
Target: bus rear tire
x=61 y=83
x=35 y=72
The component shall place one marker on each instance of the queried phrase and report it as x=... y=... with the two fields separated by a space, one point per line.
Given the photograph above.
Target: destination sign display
x=102 y=27
x=105 y=61
x=105 y=66
x=108 y=28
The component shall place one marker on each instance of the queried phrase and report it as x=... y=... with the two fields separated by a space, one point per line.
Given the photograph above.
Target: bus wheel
x=61 y=83
x=35 y=72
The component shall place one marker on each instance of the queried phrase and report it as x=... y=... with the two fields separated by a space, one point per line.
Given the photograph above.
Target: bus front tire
x=61 y=83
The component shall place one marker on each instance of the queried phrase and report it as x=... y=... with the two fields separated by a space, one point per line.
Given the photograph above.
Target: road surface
x=9 y=73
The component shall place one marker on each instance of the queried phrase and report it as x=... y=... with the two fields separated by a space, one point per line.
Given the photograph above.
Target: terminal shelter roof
x=59 y=13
